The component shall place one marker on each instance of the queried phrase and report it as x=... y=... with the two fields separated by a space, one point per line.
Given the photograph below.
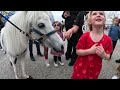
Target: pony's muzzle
x=62 y=48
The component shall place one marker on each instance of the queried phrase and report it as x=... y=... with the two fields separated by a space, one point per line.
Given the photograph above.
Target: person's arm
x=79 y=22
x=106 y=56
x=84 y=52
x=102 y=53
x=69 y=33
x=74 y=29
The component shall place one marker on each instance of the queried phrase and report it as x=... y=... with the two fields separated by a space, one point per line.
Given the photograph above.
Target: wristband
x=105 y=56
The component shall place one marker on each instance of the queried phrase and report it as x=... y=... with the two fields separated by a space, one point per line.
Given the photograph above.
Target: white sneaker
x=61 y=63
x=55 y=64
x=47 y=63
x=115 y=77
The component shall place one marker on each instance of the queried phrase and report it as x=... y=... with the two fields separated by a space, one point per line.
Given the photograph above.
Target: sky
x=57 y=15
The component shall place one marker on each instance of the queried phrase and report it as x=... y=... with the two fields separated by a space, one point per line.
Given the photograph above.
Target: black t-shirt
x=69 y=21
x=80 y=21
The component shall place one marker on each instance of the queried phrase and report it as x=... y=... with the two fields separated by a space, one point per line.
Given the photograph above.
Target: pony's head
x=42 y=29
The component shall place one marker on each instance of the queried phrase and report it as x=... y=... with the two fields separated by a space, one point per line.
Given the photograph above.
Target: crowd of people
x=85 y=50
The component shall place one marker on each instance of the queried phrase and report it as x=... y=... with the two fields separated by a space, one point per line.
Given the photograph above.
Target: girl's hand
x=93 y=49
x=100 y=51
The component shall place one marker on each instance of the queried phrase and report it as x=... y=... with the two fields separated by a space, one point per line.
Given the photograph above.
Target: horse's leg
x=23 y=69
x=12 y=59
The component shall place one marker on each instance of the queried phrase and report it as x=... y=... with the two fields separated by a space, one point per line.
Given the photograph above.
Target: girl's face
x=67 y=13
x=56 y=26
x=97 y=18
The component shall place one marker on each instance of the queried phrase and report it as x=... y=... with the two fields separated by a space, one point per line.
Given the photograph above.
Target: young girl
x=57 y=55
x=92 y=47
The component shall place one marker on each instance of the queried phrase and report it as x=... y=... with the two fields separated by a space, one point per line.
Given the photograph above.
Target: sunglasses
x=56 y=25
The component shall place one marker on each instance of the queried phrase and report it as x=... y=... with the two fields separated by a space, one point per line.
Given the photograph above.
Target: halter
x=32 y=29
x=42 y=36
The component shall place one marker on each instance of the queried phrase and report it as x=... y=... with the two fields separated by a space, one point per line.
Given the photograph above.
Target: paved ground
x=38 y=70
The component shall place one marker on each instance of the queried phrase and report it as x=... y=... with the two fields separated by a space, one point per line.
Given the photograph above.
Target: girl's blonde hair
x=88 y=20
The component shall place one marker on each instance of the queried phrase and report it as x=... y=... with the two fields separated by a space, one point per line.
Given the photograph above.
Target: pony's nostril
x=55 y=50
x=62 y=47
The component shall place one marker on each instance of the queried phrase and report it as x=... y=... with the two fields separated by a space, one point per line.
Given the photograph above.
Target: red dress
x=89 y=67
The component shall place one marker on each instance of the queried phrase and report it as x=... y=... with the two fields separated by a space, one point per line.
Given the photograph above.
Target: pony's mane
x=11 y=32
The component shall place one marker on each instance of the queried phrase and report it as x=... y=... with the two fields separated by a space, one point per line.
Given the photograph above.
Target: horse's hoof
x=29 y=77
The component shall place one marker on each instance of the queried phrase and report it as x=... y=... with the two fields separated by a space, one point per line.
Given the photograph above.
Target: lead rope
x=26 y=34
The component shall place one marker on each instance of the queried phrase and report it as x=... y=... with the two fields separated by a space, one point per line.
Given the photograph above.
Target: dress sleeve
x=81 y=43
x=109 y=47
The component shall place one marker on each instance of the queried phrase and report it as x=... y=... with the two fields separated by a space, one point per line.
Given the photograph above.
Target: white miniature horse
x=36 y=24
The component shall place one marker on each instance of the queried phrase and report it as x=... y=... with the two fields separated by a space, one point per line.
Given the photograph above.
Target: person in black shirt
x=75 y=33
x=69 y=17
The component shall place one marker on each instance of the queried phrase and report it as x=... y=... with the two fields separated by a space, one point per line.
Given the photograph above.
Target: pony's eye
x=41 y=25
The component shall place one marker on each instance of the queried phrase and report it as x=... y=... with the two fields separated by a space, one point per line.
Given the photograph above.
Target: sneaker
x=47 y=63
x=117 y=61
x=71 y=63
x=115 y=77
x=55 y=64
x=67 y=58
x=61 y=63
x=32 y=58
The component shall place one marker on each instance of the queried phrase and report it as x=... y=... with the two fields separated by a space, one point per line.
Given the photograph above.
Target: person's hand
x=93 y=49
x=68 y=34
x=100 y=51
